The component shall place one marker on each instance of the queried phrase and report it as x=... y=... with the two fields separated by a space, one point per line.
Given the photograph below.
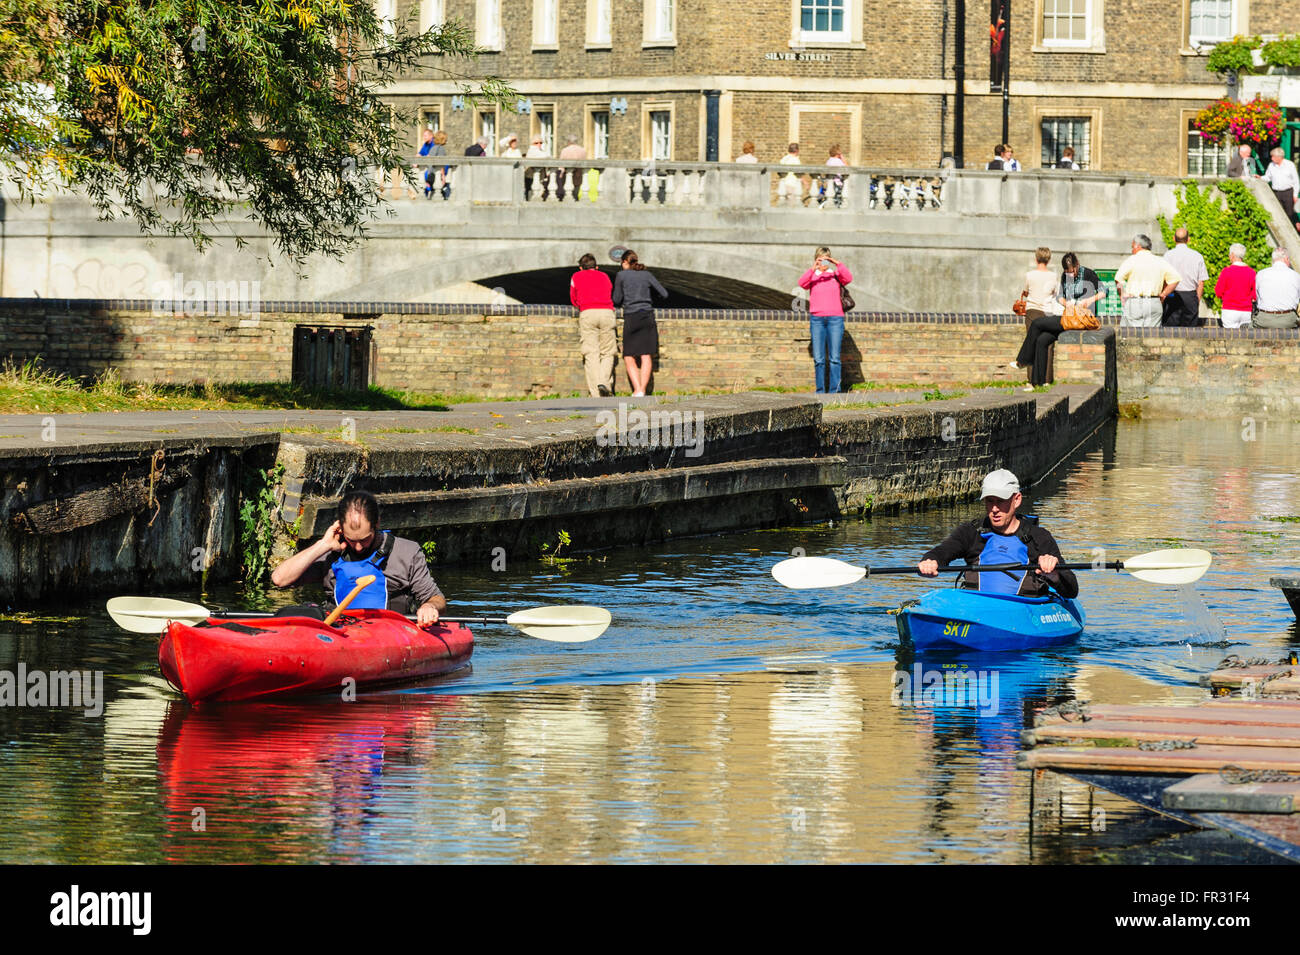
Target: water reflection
x=721 y=717
x=283 y=782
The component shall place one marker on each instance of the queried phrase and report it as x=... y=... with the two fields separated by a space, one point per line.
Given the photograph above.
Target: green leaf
x=182 y=114
x=1217 y=217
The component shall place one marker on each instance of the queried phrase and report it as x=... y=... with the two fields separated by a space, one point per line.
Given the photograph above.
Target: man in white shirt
x=1277 y=294
x=790 y=189
x=1183 y=307
x=1282 y=179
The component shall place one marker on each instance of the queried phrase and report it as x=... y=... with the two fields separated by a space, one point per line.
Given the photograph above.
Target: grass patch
x=32 y=387
x=868 y=404
x=444 y=428
x=335 y=433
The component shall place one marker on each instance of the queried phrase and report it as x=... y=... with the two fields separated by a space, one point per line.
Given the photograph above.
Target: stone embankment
x=150 y=501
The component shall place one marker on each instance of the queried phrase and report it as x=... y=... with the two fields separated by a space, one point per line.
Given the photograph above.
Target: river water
x=721 y=718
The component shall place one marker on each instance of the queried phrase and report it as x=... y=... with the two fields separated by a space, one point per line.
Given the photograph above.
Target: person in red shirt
x=591 y=293
x=1236 y=289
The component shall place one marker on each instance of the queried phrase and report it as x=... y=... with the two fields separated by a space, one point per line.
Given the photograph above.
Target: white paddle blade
x=575 y=624
x=1177 y=566
x=805 y=573
x=150 y=614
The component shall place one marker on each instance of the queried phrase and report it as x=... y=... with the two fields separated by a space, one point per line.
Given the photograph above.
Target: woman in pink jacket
x=823 y=282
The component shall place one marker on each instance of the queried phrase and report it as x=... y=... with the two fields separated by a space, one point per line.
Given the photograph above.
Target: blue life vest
x=1003 y=549
x=348 y=572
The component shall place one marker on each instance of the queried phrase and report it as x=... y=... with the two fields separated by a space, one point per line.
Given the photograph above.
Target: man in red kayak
x=1004 y=537
x=354 y=547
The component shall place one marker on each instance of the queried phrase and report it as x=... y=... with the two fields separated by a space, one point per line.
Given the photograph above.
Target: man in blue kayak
x=354 y=547
x=1004 y=537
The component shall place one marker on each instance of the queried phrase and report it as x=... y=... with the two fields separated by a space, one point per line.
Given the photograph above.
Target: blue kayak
x=957 y=619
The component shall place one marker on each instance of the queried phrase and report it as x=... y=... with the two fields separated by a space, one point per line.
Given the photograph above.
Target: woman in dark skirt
x=633 y=288
x=1078 y=286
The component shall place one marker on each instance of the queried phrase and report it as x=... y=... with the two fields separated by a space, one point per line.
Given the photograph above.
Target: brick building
x=685 y=80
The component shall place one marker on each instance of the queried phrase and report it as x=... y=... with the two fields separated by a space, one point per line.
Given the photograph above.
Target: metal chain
x=1234 y=775
x=1168 y=744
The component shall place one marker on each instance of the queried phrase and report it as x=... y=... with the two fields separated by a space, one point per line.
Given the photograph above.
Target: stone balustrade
x=1107 y=197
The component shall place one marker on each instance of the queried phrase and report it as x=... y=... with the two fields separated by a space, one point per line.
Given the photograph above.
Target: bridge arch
x=537 y=273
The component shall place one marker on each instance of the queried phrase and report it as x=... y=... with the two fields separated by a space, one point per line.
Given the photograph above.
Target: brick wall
x=731 y=38
x=1210 y=372
x=523 y=350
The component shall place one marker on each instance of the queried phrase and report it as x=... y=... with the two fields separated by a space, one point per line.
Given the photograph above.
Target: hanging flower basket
x=1213 y=121
x=1258 y=122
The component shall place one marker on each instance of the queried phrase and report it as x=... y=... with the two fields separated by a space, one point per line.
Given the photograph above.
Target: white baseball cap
x=1001 y=484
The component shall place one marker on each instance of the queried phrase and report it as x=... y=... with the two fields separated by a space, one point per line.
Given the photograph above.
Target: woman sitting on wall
x=1043 y=329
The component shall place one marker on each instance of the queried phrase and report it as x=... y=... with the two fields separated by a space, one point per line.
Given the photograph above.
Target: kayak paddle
x=571 y=624
x=1177 y=566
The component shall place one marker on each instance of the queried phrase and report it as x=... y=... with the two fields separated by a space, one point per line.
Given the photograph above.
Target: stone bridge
x=716 y=234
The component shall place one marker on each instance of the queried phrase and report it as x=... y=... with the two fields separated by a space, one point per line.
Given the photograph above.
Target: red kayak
x=224 y=659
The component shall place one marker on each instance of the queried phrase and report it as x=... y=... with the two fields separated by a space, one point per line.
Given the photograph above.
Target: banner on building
x=999 y=43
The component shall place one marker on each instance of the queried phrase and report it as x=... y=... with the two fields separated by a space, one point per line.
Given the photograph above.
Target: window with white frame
x=1065 y=22
x=1210 y=21
x=598 y=134
x=430 y=119
x=660 y=21
x=431 y=14
x=544 y=126
x=824 y=21
x=546 y=23
x=661 y=134
x=599 y=22
x=487 y=26
x=485 y=127
x=1203 y=157
x=1062 y=131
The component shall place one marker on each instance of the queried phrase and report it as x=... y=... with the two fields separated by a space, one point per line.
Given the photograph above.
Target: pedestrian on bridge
x=633 y=289
x=790 y=189
x=1283 y=179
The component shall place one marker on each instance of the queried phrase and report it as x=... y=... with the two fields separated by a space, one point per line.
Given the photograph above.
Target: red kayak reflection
x=281 y=782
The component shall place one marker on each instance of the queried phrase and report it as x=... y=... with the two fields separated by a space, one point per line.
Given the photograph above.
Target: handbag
x=846 y=300
x=1076 y=319
x=1019 y=306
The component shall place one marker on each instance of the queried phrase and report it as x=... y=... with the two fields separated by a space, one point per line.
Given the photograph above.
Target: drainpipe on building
x=1006 y=79
x=959 y=99
x=711 y=125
